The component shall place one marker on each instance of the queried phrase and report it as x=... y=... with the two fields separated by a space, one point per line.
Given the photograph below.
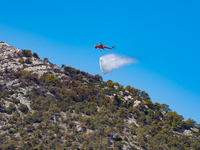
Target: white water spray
x=113 y=61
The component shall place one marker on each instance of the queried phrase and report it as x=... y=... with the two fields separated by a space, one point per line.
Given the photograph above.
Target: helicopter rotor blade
x=107 y=44
x=101 y=43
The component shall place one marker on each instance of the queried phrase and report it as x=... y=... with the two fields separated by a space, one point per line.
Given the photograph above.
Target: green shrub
x=21 y=60
x=149 y=103
x=71 y=124
x=11 y=145
x=38 y=134
x=16 y=101
x=12 y=131
x=28 y=61
x=87 y=111
x=41 y=146
x=118 y=144
x=77 y=110
x=133 y=148
x=4 y=128
x=51 y=80
x=110 y=83
x=35 y=55
x=133 y=128
x=29 y=127
x=23 y=108
x=14 y=118
x=27 y=53
x=11 y=108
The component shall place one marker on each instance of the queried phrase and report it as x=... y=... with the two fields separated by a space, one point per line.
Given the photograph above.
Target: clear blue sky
x=164 y=35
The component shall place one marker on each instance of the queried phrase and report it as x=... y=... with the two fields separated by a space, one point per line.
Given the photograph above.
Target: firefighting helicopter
x=102 y=47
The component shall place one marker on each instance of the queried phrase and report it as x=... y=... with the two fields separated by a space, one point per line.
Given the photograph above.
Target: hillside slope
x=43 y=106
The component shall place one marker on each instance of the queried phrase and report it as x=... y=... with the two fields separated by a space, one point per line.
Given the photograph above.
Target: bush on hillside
x=36 y=55
x=27 y=53
x=28 y=61
x=23 y=108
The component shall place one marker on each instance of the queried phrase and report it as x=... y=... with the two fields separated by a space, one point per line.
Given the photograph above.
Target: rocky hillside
x=43 y=106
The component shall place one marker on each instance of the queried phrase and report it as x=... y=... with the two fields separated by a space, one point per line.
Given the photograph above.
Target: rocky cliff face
x=10 y=57
x=45 y=107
